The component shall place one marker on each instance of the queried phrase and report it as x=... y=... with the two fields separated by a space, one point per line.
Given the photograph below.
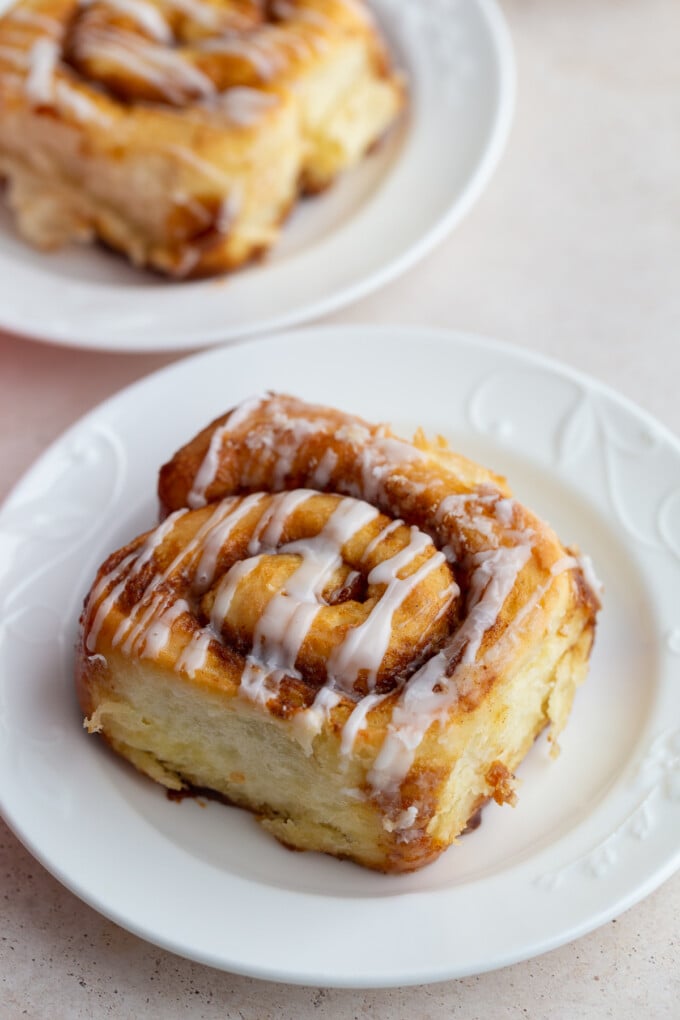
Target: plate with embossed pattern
x=593 y=831
x=373 y=224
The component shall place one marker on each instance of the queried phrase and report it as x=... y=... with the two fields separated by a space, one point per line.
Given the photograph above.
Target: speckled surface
x=574 y=251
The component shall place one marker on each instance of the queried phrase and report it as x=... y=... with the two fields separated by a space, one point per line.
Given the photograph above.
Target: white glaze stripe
x=269 y=531
x=207 y=564
x=365 y=646
x=430 y=692
x=157 y=634
x=288 y=616
x=43 y=59
x=132 y=629
x=280 y=633
x=34 y=19
x=357 y=721
x=195 y=653
x=72 y=100
x=208 y=470
x=227 y=589
x=146 y=15
x=163 y=68
x=136 y=561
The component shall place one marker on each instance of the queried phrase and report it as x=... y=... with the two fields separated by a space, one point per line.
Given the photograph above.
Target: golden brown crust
x=376 y=623
x=183 y=134
x=321 y=429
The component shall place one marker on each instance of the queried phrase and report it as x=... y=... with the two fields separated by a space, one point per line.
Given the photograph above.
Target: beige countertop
x=574 y=252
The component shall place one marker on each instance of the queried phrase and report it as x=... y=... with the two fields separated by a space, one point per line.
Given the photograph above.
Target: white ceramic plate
x=594 y=831
x=375 y=223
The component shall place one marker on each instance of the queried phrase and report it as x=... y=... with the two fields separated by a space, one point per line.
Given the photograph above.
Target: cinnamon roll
x=181 y=132
x=354 y=636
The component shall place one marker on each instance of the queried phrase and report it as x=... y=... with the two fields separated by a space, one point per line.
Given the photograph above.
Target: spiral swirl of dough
x=296 y=588
x=384 y=611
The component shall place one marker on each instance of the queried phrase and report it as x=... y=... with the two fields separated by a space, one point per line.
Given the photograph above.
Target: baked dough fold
x=356 y=637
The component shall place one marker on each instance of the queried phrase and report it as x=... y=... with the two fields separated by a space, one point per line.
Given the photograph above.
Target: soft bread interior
x=184 y=734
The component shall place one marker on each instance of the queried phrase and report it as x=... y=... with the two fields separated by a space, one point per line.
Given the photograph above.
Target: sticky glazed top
x=232 y=55
x=328 y=570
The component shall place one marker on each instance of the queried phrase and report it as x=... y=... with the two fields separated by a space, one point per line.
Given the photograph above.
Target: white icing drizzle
x=104 y=607
x=136 y=561
x=325 y=468
x=377 y=457
x=268 y=50
x=494 y=574
x=35 y=19
x=207 y=472
x=347 y=520
x=404 y=820
x=195 y=653
x=146 y=15
x=288 y=450
x=353 y=433
x=203 y=14
x=208 y=469
x=157 y=634
x=357 y=721
x=310 y=722
x=258 y=684
x=481 y=518
x=430 y=692
x=72 y=100
x=386 y=572
x=286 y=621
x=132 y=630
x=187 y=260
x=565 y=563
x=209 y=170
x=163 y=68
x=43 y=59
x=592 y=580
x=396 y=755
x=446 y=597
x=282 y=629
x=504 y=510
x=290 y=11
x=244 y=106
x=457 y=507
x=269 y=531
x=561 y=566
x=265 y=59
x=365 y=646
x=354 y=793
x=289 y=614
x=381 y=536
x=207 y=564
x=193 y=207
x=301 y=45
x=227 y=214
x=227 y=589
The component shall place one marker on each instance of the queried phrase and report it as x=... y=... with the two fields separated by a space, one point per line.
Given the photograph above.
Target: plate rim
x=435 y=335
x=135 y=340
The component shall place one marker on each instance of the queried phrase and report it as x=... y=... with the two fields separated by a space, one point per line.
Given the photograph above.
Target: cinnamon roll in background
x=181 y=132
x=356 y=637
